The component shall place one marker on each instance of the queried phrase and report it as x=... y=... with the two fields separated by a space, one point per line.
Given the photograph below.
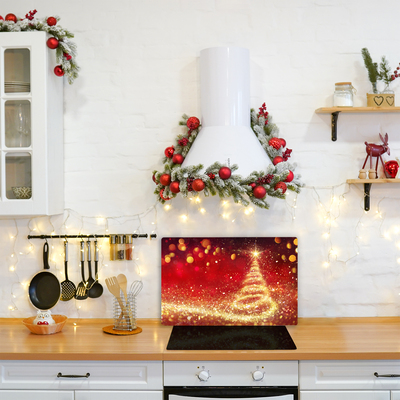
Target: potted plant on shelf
x=377 y=73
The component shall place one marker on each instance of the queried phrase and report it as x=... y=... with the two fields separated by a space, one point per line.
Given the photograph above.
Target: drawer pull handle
x=60 y=375
x=386 y=376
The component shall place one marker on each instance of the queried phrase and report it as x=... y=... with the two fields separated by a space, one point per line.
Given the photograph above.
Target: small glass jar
x=120 y=247
x=343 y=95
x=113 y=247
x=128 y=247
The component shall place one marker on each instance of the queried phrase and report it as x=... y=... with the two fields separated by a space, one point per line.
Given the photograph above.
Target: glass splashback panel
x=229 y=281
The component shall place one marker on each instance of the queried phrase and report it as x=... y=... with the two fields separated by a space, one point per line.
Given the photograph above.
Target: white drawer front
x=349 y=375
x=123 y=375
x=35 y=395
x=345 y=395
x=395 y=395
x=118 y=395
x=235 y=373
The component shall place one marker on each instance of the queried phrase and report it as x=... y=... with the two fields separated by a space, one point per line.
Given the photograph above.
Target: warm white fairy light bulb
x=325 y=264
x=167 y=207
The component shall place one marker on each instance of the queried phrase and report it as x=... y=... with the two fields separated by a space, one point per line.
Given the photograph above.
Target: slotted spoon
x=68 y=288
x=81 y=290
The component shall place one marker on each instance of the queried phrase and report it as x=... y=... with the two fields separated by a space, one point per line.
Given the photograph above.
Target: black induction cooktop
x=230 y=338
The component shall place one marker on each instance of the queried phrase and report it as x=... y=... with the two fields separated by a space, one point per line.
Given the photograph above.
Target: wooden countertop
x=315 y=338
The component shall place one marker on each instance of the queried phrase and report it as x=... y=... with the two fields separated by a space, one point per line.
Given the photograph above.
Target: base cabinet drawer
x=349 y=375
x=36 y=395
x=118 y=395
x=83 y=375
x=345 y=395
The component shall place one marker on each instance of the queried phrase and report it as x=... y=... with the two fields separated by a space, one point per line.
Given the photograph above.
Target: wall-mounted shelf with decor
x=367 y=187
x=335 y=111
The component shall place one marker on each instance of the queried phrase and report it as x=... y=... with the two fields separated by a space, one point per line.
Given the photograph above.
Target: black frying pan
x=45 y=288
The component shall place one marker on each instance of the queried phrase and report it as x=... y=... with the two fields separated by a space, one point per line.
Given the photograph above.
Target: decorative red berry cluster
x=262 y=112
x=396 y=73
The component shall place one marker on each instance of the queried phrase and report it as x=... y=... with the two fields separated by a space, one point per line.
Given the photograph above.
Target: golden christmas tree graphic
x=254 y=296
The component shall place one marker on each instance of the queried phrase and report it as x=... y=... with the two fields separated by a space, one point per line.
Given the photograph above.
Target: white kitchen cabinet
x=118 y=395
x=31 y=127
x=81 y=380
x=344 y=395
x=35 y=395
x=345 y=380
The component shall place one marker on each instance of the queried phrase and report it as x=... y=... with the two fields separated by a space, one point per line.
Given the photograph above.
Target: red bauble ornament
x=1 y=18
x=275 y=143
x=51 y=21
x=289 y=177
x=177 y=159
x=391 y=168
x=67 y=56
x=11 y=17
x=174 y=187
x=52 y=43
x=281 y=185
x=283 y=142
x=259 y=192
x=154 y=179
x=193 y=123
x=225 y=173
x=161 y=195
x=169 y=151
x=198 y=185
x=277 y=160
x=253 y=185
x=165 y=179
x=58 y=70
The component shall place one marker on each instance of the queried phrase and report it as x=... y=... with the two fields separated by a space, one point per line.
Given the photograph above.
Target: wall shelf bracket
x=367 y=191
x=335 y=117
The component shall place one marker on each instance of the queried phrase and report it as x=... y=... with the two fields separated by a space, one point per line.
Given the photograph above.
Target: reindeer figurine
x=376 y=150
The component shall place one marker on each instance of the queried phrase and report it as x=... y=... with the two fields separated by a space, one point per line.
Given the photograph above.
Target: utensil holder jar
x=125 y=317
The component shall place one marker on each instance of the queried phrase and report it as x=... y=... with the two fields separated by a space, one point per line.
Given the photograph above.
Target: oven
x=200 y=380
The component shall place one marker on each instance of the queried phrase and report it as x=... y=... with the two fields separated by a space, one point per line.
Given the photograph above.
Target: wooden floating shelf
x=330 y=110
x=335 y=111
x=379 y=180
x=367 y=187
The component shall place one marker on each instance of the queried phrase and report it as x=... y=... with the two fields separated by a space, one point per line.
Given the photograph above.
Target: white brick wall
x=139 y=74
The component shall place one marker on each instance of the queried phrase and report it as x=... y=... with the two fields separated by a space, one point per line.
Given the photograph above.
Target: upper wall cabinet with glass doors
x=31 y=127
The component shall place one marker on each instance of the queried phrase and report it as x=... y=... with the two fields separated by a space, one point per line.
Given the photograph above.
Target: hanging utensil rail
x=134 y=235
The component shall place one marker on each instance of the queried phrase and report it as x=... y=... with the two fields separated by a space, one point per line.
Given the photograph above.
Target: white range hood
x=226 y=135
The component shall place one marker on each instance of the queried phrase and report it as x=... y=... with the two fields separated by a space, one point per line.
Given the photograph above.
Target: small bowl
x=22 y=192
x=59 y=320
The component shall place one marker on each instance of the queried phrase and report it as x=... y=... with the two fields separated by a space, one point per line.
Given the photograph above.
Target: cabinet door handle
x=60 y=375
x=386 y=376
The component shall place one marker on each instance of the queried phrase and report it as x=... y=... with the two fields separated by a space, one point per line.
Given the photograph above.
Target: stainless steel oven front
x=200 y=380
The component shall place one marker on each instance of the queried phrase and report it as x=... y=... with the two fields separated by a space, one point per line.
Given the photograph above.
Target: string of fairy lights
x=329 y=213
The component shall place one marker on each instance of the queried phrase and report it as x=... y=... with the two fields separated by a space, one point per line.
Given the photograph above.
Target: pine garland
x=237 y=187
x=66 y=51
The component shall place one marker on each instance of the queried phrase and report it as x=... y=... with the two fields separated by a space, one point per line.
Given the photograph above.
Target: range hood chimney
x=226 y=135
